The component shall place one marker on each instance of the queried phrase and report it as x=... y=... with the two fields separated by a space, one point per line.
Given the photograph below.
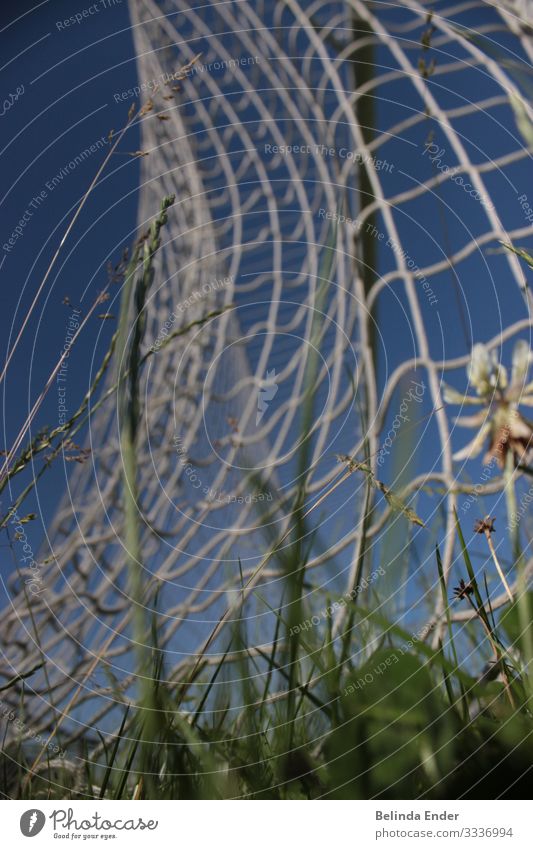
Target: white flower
x=499 y=421
x=484 y=372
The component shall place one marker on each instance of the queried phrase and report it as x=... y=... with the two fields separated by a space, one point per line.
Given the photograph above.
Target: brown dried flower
x=485 y=525
x=463 y=590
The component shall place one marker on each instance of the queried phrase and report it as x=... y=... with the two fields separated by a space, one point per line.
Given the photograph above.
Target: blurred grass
x=373 y=711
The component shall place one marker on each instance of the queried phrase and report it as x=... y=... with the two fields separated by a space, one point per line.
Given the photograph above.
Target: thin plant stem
x=4 y=471
x=510 y=501
x=498 y=567
x=496 y=650
x=66 y=234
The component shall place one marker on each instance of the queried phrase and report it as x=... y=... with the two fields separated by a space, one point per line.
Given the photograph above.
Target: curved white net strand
x=261 y=232
x=518 y=16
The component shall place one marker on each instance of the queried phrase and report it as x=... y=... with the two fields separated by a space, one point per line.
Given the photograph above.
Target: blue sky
x=53 y=141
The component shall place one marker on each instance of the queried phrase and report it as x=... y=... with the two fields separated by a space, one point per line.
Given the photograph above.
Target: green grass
x=375 y=711
x=408 y=721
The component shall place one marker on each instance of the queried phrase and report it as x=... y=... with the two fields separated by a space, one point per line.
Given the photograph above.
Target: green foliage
x=371 y=711
x=395 y=732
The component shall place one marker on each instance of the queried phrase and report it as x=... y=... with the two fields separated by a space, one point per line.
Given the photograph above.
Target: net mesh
x=333 y=166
